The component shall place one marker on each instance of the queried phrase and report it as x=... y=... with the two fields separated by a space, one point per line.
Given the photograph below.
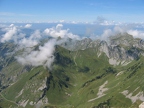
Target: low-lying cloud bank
x=43 y=55
x=35 y=54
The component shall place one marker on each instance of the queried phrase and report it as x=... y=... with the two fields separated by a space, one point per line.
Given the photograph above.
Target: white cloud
x=43 y=56
x=136 y=33
x=27 y=42
x=55 y=32
x=111 y=32
x=106 y=34
x=118 y=29
x=36 y=35
x=121 y=29
x=62 y=21
x=11 y=31
x=59 y=32
x=28 y=25
x=30 y=41
x=12 y=25
x=74 y=22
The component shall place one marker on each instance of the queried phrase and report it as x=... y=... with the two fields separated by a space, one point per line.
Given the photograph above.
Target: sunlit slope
x=93 y=82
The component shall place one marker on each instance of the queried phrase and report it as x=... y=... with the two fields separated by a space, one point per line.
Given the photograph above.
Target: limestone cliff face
x=120 y=49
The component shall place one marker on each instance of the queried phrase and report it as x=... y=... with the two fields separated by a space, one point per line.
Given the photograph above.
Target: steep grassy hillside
x=91 y=82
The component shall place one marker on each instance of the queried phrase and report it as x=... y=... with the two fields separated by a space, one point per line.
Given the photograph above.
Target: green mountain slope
x=78 y=79
x=96 y=83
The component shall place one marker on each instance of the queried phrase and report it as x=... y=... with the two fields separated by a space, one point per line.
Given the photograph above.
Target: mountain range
x=85 y=73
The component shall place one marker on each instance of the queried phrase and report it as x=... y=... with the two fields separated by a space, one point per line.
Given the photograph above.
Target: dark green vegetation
x=79 y=79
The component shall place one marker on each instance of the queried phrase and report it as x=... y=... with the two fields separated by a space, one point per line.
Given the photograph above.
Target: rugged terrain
x=85 y=74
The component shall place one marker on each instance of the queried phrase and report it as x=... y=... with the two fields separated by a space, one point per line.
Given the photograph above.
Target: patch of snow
x=100 y=92
x=138 y=96
x=24 y=103
x=141 y=105
x=12 y=84
x=102 y=89
x=39 y=104
x=114 y=62
x=67 y=94
x=136 y=89
x=45 y=100
x=98 y=54
x=20 y=93
x=104 y=48
x=119 y=73
x=125 y=63
x=31 y=103
x=75 y=58
x=125 y=92
x=43 y=85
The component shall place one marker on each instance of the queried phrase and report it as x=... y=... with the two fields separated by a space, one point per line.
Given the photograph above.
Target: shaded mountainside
x=94 y=74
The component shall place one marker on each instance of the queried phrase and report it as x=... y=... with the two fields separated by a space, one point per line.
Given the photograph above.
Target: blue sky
x=72 y=10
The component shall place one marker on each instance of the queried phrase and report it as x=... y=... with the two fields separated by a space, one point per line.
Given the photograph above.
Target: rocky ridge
x=120 y=49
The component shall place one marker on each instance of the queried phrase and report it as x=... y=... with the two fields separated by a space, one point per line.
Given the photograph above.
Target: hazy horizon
x=87 y=11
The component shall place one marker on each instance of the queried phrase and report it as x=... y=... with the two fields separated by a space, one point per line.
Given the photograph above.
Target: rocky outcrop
x=120 y=49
